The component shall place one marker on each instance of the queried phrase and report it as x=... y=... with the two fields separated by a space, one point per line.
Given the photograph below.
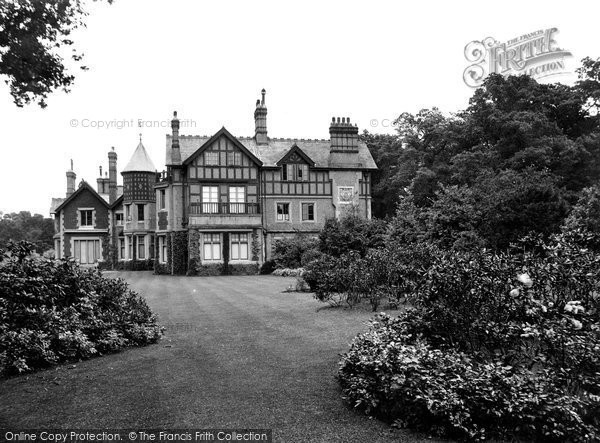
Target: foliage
x=519 y=144
x=53 y=311
x=33 y=32
x=179 y=248
x=36 y=229
x=268 y=267
x=393 y=374
x=351 y=233
x=287 y=272
x=502 y=344
x=288 y=252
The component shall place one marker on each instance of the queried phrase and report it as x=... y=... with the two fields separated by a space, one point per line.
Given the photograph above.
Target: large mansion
x=219 y=205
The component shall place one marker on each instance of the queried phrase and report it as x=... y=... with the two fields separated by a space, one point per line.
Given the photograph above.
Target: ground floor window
x=308 y=212
x=211 y=246
x=141 y=247
x=283 y=212
x=162 y=249
x=239 y=246
x=121 y=248
x=130 y=247
x=86 y=252
x=57 y=251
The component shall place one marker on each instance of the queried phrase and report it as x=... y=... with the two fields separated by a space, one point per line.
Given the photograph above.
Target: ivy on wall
x=193 y=251
x=256 y=246
x=179 y=252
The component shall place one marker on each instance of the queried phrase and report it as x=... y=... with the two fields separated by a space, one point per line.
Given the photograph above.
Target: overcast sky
x=368 y=60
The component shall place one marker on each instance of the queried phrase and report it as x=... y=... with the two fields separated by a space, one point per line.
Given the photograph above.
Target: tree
x=36 y=229
x=32 y=34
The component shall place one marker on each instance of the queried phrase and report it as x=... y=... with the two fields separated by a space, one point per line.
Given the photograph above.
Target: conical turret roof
x=140 y=161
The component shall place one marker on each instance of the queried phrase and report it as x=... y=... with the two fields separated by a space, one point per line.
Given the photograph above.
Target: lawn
x=237 y=352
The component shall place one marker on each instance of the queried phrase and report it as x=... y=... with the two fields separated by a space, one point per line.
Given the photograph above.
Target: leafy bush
x=287 y=272
x=351 y=233
x=502 y=344
x=393 y=374
x=267 y=267
x=53 y=311
x=288 y=252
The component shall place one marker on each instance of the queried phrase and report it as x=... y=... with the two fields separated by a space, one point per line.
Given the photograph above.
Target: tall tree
x=32 y=34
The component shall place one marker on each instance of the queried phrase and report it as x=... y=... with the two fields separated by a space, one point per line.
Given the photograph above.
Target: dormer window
x=294 y=172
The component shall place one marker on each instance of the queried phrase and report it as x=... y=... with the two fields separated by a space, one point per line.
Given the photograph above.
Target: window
x=308 y=212
x=141 y=247
x=121 y=248
x=210 y=199
x=239 y=246
x=128 y=212
x=140 y=214
x=237 y=198
x=211 y=158
x=119 y=219
x=283 y=212
x=162 y=249
x=212 y=246
x=294 y=172
x=86 y=218
x=151 y=248
x=86 y=252
x=234 y=159
x=162 y=199
x=130 y=248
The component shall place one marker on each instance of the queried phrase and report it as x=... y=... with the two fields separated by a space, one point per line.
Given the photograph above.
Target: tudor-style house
x=220 y=205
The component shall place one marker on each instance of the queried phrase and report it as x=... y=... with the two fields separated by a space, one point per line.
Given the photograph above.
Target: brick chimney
x=71 y=180
x=343 y=135
x=260 y=121
x=112 y=176
x=101 y=182
x=175 y=153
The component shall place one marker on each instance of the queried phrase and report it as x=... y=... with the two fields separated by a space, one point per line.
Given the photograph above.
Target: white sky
x=209 y=60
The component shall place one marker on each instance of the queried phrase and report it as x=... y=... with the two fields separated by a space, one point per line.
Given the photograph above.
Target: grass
x=237 y=352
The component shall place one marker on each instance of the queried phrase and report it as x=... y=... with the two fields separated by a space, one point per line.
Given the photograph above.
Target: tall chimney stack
x=260 y=121
x=176 y=153
x=112 y=176
x=343 y=135
x=71 y=180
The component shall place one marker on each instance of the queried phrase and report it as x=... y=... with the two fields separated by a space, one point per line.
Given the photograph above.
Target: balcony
x=224 y=214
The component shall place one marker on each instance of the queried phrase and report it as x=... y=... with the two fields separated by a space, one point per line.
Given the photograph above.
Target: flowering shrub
x=393 y=374
x=53 y=311
x=501 y=344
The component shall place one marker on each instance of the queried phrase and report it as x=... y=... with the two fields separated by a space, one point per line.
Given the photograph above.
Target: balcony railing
x=224 y=208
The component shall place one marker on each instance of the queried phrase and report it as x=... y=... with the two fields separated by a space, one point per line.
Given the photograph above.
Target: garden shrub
x=267 y=267
x=501 y=344
x=288 y=252
x=352 y=233
x=393 y=374
x=53 y=311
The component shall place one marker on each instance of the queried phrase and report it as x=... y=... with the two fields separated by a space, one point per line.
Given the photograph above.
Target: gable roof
x=296 y=150
x=225 y=133
x=318 y=150
x=140 y=161
x=83 y=186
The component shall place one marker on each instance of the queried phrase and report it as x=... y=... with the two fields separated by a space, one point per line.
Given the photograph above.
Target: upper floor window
x=119 y=219
x=140 y=208
x=237 y=199
x=128 y=212
x=234 y=159
x=294 y=172
x=211 y=158
x=162 y=199
x=283 y=212
x=210 y=199
x=86 y=218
